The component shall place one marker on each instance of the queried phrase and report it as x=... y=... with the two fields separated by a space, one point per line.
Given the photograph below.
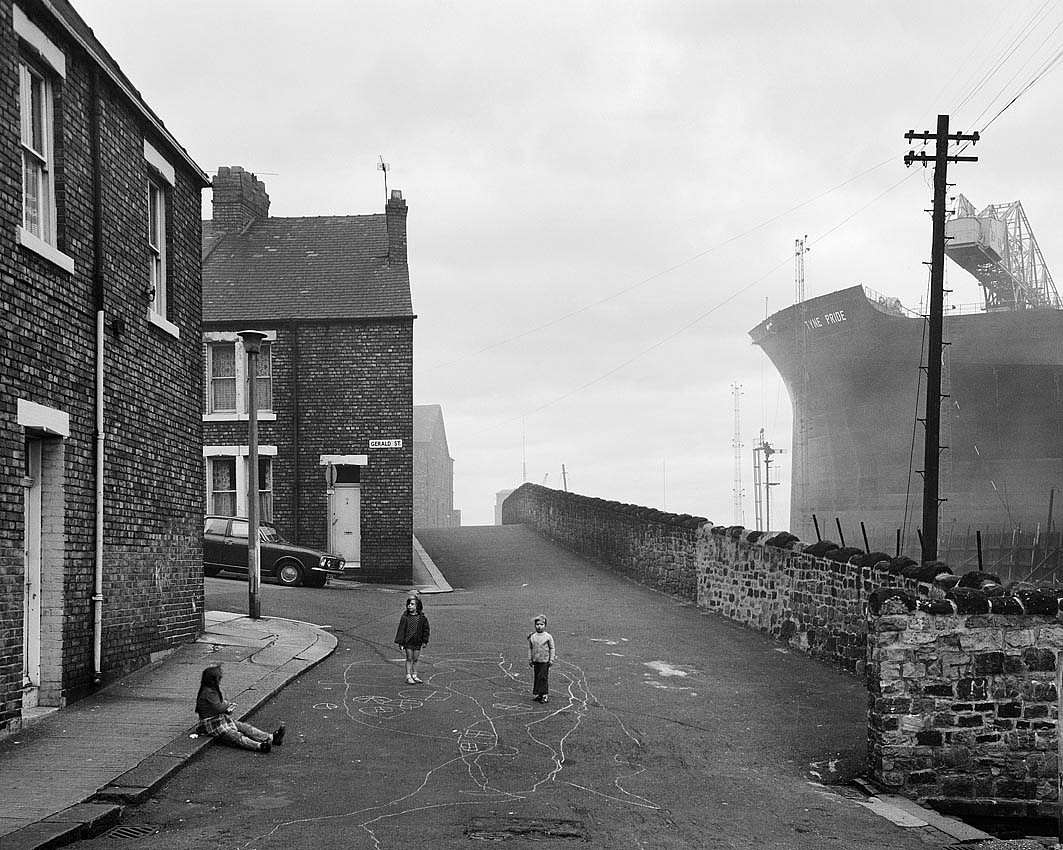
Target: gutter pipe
x=98 y=295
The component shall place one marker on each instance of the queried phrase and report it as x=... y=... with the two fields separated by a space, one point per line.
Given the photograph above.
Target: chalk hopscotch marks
x=485 y=742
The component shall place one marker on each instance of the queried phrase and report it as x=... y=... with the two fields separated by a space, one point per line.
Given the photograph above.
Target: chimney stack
x=396 y=215
x=239 y=198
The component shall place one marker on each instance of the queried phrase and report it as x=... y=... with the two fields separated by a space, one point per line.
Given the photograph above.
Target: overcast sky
x=604 y=196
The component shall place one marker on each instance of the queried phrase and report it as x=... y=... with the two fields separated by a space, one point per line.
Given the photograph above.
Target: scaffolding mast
x=799 y=470
x=736 y=442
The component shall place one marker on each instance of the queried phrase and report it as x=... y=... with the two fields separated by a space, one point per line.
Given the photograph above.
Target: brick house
x=100 y=432
x=335 y=385
x=433 y=471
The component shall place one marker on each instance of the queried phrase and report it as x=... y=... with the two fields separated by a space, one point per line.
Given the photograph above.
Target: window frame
x=240 y=455
x=157 y=220
x=161 y=178
x=265 y=382
x=39 y=55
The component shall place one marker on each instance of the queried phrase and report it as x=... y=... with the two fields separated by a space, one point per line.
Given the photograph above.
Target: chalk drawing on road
x=606 y=641
x=325 y=706
x=663 y=668
x=494 y=746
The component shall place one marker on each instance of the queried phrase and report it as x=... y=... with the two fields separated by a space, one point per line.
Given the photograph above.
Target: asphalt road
x=667 y=727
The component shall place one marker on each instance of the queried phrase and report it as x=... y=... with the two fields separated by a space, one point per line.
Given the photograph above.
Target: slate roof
x=315 y=267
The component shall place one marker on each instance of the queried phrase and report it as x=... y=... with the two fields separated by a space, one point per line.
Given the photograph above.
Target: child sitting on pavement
x=215 y=720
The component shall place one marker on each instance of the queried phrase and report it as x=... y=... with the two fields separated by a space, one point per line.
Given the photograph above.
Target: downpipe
x=97 y=597
x=98 y=291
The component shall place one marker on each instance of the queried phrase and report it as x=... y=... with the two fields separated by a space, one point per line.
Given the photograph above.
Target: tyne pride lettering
x=816 y=322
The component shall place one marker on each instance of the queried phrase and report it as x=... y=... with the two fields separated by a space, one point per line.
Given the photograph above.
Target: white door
x=347 y=522
x=31 y=600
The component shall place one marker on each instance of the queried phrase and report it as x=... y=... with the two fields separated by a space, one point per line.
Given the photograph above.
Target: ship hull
x=853 y=373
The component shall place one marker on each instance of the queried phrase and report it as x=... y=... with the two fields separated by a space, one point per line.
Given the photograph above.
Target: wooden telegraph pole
x=932 y=423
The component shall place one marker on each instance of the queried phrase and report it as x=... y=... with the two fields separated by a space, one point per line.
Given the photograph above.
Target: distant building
x=101 y=517
x=335 y=385
x=500 y=497
x=433 y=471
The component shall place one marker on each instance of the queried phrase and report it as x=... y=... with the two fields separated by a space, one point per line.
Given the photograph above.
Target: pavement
x=68 y=773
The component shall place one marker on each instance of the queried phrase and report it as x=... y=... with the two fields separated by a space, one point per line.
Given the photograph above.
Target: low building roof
x=314 y=267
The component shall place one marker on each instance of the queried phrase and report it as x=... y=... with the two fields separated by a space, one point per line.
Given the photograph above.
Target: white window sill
x=263 y=416
x=49 y=252
x=165 y=324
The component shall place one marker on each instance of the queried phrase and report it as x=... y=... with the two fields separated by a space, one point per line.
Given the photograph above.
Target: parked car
x=225 y=549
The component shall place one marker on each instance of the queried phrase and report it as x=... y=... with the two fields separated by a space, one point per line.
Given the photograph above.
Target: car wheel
x=211 y=571
x=316 y=580
x=290 y=573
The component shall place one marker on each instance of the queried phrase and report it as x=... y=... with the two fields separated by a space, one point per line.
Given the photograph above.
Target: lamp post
x=252 y=341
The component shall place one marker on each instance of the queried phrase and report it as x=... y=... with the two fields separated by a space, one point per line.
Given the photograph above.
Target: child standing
x=412 y=634
x=541 y=654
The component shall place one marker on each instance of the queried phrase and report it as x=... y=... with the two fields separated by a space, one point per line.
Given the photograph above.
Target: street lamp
x=252 y=341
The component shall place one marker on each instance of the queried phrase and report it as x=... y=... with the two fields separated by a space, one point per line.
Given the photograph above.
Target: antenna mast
x=736 y=442
x=385 y=167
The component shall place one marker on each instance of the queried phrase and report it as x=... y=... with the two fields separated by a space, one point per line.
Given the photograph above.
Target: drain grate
x=505 y=828
x=130 y=832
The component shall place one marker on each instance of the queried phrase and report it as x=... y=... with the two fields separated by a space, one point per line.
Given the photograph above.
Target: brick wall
x=336 y=386
x=153 y=503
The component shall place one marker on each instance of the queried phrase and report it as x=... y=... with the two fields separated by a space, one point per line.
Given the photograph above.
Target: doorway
x=346 y=537
x=31 y=599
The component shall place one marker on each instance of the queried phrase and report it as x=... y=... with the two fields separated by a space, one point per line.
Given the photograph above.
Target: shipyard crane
x=998 y=248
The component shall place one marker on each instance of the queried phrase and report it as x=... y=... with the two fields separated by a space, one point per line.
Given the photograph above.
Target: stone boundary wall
x=962 y=701
x=653 y=547
x=961 y=671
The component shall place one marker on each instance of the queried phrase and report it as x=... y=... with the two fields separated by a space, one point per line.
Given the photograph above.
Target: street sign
x=385 y=444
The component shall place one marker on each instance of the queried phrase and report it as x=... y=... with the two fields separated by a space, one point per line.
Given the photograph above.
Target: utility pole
x=762 y=482
x=564 y=479
x=932 y=423
x=736 y=441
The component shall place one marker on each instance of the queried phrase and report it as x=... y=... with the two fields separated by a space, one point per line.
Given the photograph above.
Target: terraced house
x=100 y=430
x=334 y=392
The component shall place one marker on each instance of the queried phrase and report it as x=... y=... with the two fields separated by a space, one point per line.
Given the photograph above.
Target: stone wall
x=961 y=672
x=653 y=547
x=963 y=702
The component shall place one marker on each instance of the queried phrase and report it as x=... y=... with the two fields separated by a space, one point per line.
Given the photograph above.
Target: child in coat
x=215 y=717
x=412 y=635
x=541 y=654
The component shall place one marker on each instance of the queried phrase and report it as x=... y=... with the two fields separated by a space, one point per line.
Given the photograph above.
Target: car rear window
x=215 y=525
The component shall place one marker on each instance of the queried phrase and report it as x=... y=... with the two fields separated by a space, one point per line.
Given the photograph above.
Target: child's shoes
x=410 y=681
x=417 y=679
x=546 y=698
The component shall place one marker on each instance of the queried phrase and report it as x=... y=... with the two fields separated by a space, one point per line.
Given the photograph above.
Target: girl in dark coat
x=215 y=717
x=412 y=634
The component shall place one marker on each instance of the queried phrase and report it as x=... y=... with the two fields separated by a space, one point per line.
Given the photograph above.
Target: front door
x=346 y=537
x=31 y=599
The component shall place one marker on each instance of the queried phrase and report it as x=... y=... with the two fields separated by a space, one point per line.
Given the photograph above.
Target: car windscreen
x=268 y=534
